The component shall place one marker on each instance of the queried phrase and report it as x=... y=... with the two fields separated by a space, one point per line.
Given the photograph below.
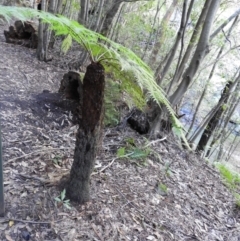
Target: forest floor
x=169 y=195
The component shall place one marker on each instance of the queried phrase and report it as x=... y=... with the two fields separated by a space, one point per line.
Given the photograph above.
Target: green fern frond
x=113 y=55
x=66 y=44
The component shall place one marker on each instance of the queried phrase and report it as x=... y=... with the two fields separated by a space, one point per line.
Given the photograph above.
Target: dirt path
x=170 y=195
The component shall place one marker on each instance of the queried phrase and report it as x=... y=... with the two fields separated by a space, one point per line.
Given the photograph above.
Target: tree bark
x=83 y=14
x=200 y=53
x=111 y=13
x=212 y=124
x=235 y=14
x=161 y=38
x=176 y=43
x=192 y=42
x=211 y=75
x=88 y=134
x=41 y=54
x=231 y=107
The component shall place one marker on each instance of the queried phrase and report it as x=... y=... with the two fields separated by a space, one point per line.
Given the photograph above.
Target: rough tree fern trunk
x=88 y=134
x=212 y=124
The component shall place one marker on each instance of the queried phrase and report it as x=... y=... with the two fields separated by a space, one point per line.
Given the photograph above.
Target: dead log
x=22 y=33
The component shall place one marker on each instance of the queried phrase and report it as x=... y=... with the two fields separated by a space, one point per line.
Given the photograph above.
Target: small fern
x=114 y=57
x=231 y=180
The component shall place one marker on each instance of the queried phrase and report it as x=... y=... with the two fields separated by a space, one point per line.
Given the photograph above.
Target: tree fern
x=113 y=56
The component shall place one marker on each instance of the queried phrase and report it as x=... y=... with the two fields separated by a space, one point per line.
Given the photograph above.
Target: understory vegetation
x=231 y=180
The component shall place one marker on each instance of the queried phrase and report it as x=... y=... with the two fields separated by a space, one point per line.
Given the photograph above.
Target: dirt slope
x=129 y=198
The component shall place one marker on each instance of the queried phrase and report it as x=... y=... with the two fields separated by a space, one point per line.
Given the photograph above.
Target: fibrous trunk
x=214 y=120
x=88 y=133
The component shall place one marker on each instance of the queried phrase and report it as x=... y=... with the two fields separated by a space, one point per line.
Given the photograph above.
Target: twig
x=32 y=177
x=104 y=168
x=34 y=152
x=153 y=142
x=99 y=236
x=27 y=221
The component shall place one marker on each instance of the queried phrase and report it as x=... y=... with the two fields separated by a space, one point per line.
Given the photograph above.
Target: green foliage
x=167 y=169
x=224 y=106
x=66 y=44
x=139 y=153
x=57 y=160
x=133 y=152
x=111 y=98
x=62 y=201
x=121 y=152
x=237 y=198
x=162 y=188
x=231 y=180
x=114 y=57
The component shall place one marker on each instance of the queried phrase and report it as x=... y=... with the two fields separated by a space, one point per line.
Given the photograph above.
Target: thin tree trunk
x=235 y=14
x=111 y=13
x=212 y=124
x=173 y=51
x=83 y=14
x=99 y=16
x=158 y=44
x=152 y=28
x=182 y=45
x=200 y=53
x=54 y=8
x=116 y=30
x=41 y=54
x=192 y=42
x=233 y=148
x=210 y=76
x=88 y=134
x=222 y=130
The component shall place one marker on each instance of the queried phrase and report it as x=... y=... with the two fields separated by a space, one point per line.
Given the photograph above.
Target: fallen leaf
x=11 y=223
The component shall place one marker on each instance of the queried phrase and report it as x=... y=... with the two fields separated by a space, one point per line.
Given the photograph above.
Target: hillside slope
x=169 y=195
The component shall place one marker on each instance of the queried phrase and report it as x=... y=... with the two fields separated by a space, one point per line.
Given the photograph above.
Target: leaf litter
x=174 y=195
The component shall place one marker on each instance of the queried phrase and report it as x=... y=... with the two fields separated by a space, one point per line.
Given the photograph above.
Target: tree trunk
x=180 y=34
x=231 y=107
x=162 y=34
x=210 y=76
x=152 y=31
x=200 y=53
x=192 y=42
x=224 y=24
x=41 y=54
x=88 y=134
x=111 y=13
x=83 y=14
x=212 y=124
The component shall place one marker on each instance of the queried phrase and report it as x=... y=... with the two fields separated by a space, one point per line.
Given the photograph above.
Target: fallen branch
x=28 y=221
x=39 y=151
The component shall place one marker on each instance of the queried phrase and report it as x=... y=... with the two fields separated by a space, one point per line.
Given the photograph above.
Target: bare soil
x=170 y=195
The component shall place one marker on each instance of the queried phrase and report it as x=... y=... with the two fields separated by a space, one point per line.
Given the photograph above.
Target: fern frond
x=123 y=60
x=66 y=44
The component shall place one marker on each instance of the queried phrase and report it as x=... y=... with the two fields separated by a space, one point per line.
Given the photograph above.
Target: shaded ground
x=171 y=195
